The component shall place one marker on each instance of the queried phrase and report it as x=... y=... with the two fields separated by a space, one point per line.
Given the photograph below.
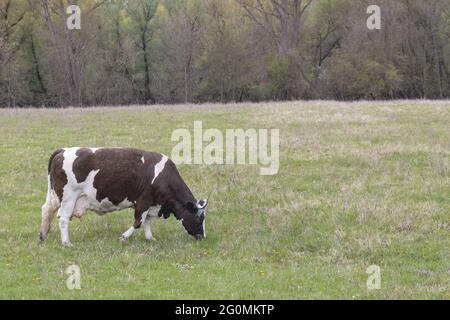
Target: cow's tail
x=53 y=157
x=51 y=204
x=52 y=198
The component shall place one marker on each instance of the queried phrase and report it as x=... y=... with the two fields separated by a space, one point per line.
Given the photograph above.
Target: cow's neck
x=182 y=196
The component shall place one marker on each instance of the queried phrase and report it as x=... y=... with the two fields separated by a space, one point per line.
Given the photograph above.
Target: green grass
x=359 y=184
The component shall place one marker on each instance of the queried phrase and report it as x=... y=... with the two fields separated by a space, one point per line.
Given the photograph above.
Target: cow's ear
x=191 y=206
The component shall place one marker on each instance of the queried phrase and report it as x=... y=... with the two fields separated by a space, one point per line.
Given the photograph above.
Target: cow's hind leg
x=48 y=213
x=49 y=209
x=64 y=214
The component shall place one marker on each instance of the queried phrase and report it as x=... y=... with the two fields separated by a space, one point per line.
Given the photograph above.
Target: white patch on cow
x=88 y=186
x=204 y=229
x=143 y=160
x=70 y=155
x=94 y=150
x=144 y=216
x=159 y=167
x=127 y=234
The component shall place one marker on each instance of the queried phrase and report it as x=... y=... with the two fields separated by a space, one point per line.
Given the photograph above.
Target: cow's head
x=194 y=219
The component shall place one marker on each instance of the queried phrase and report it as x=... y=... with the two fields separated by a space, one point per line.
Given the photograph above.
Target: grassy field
x=359 y=184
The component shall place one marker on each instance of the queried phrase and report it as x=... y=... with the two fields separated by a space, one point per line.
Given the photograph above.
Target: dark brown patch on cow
x=83 y=164
x=121 y=173
x=58 y=176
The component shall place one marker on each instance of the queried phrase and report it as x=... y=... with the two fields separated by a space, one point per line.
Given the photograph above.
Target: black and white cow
x=110 y=179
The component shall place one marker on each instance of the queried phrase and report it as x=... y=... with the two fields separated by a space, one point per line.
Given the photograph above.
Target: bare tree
x=66 y=48
x=181 y=40
x=282 y=20
x=9 y=23
x=143 y=12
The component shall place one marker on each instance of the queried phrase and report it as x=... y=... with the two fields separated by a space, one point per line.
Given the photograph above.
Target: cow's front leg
x=64 y=214
x=127 y=234
x=137 y=224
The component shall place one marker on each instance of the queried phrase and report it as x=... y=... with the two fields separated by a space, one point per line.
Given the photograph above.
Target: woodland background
x=193 y=51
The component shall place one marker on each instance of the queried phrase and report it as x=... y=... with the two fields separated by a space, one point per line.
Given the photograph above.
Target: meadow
x=359 y=184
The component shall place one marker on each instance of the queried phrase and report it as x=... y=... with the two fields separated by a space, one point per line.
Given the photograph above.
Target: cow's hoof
x=123 y=239
x=41 y=237
x=67 y=244
x=150 y=239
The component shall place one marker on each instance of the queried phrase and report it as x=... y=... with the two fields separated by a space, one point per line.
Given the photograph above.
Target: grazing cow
x=110 y=179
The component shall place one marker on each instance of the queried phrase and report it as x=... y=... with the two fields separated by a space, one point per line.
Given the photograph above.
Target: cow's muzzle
x=199 y=237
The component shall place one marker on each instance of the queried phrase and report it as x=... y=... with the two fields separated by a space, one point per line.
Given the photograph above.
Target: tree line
x=192 y=51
